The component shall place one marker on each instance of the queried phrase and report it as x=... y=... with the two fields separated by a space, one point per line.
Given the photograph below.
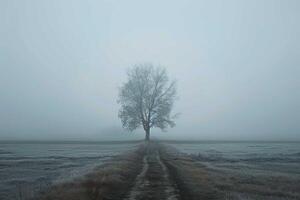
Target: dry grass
x=113 y=180
x=196 y=181
x=109 y=181
x=193 y=181
x=256 y=187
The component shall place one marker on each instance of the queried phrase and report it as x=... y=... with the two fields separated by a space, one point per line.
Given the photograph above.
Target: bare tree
x=147 y=99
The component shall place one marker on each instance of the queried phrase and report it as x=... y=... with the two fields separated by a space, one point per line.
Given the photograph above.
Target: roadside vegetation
x=109 y=181
x=196 y=181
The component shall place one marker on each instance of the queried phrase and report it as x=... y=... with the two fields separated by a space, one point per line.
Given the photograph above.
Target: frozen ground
x=210 y=170
x=249 y=170
x=32 y=166
x=275 y=157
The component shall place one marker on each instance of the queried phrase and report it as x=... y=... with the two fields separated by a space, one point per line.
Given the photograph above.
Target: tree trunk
x=147 y=138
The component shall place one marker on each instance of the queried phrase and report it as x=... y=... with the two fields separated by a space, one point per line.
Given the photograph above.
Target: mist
x=236 y=64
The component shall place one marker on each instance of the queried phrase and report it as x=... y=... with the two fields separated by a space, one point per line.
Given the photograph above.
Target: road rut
x=153 y=182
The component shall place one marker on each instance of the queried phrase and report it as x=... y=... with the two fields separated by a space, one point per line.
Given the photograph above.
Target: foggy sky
x=237 y=66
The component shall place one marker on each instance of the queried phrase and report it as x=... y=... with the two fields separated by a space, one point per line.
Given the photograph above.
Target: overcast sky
x=237 y=64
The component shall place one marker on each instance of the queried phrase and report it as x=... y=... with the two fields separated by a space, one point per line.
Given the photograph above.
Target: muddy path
x=153 y=182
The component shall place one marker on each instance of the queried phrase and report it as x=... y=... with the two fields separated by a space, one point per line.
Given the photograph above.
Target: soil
x=153 y=182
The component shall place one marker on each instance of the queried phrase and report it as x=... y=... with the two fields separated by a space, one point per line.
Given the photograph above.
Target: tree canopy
x=147 y=99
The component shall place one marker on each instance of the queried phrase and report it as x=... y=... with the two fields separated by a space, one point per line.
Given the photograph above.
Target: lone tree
x=147 y=99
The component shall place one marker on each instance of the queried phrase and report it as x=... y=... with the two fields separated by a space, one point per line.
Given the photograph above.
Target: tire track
x=153 y=182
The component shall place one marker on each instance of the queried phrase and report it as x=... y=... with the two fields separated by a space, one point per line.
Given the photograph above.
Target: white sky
x=237 y=64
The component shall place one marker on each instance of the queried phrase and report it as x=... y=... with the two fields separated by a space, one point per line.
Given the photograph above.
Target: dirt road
x=153 y=182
